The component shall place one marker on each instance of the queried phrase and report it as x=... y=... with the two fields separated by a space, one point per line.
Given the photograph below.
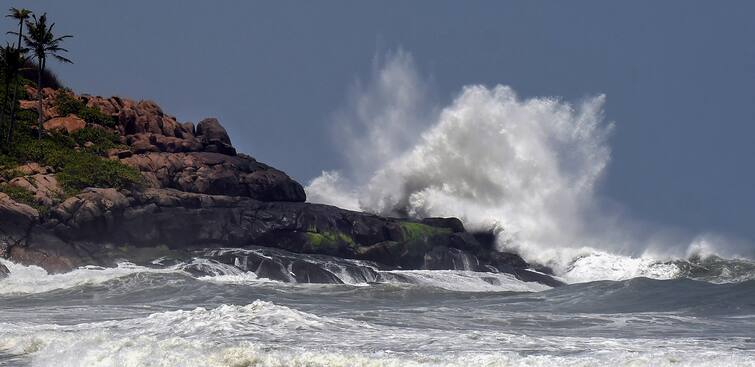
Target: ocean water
x=208 y=312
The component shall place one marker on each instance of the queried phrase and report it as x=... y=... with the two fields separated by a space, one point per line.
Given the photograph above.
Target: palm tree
x=13 y=60
x=43 y=43
x=21 y=15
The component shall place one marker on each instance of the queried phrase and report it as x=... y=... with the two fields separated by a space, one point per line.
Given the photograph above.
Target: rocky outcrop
x=216 y=174
x=214 y=138
x=199 y=193
x=85 y=228
x=69 y=124
x=44 y=187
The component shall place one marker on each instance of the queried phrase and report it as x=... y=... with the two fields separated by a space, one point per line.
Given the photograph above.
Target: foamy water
x=205 y=313
x=528 y=168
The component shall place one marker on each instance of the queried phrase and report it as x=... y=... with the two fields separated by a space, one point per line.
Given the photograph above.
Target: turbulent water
x=528 y=168
x=211 y=311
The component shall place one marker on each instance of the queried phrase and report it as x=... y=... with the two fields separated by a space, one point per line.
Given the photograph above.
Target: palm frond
x=62 y=59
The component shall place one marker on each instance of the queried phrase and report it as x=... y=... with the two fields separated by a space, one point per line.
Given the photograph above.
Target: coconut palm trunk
x=43 y=43
x=21 y=15
x=12 y=124
x=40 y=108
x=5 y=100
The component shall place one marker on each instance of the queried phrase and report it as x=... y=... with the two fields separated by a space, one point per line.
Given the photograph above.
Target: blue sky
x=679 y=77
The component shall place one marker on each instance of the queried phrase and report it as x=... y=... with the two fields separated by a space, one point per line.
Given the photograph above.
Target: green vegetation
x=77 y=158
x=13 y=65
x=88 y=170
x=101 y=139
x=67 y=103
x=9 y=174
x=23 y=196
x=330 y=240
x=77 y=166
x=18 y=194
x=416 y=231
x=43 y=43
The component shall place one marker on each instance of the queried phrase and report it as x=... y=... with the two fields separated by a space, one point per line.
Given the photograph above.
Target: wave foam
x=529 y=168
x=33 y=279
x=265 y=334
x=463 y=281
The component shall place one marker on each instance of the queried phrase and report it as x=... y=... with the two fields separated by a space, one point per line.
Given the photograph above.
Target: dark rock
x=4 y=271
x=210 y=130
x=199 y=192
x=273 y=185
x=217 y=174
x=307 y=272
x=506 y=262
x=454 y=224
x=531 y=276
x=86 y=228
x=49 y=252
x=188 y=130
x=441 y=258
x=487 y=239
x=269 y=269
x=16 y=221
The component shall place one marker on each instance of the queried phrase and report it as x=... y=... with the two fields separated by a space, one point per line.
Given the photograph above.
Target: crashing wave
x=528 y=167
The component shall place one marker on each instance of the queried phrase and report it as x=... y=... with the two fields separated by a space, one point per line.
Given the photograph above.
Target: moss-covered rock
x=418 y=231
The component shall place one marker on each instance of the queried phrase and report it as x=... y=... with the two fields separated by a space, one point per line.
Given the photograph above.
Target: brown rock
x=69 y=123
x=210 y=129
x=91 y=209
x=28 y=105
x=45 y=187
x=273 y=185
x=214 y=137
x=118 y=153
x=188 y=128
x=216 y=174
x=16 y=220
x=34 y=168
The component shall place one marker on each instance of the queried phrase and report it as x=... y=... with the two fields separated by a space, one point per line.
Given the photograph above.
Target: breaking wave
x=527 y=168
x=249 y=335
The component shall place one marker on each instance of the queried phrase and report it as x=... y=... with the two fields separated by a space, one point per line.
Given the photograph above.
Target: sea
x=215 y=309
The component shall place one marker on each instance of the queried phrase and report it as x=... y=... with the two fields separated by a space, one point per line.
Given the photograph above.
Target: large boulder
x=216 y=174
x=44 y=187
x=16 y=222
x=210 y=129
x=69 y=124
x=90 y=211
x=33 y=168
x=149 y=142
x=214 y=137
x=16 y=219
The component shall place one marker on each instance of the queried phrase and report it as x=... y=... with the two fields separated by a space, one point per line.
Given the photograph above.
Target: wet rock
x=307 y=272
x=16 y=220
x=454 y=224
x=49 y=252
x=4 y=271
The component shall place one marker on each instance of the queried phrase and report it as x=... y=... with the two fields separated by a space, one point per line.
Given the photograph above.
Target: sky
x=678 y=76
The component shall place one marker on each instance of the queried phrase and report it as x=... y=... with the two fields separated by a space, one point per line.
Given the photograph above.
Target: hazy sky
x=679 y=77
